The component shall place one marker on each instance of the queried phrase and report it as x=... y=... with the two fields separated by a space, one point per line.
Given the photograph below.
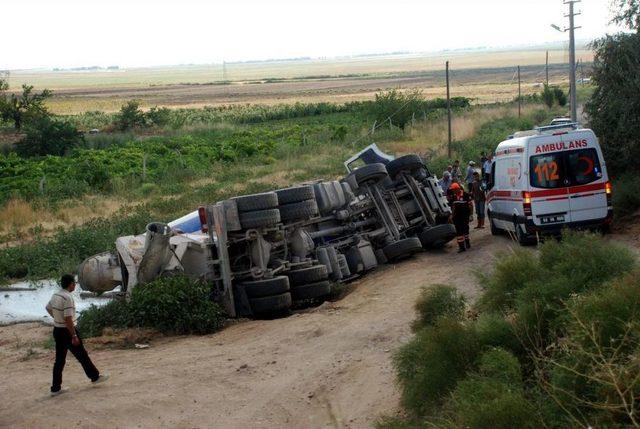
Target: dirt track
x=329 y=367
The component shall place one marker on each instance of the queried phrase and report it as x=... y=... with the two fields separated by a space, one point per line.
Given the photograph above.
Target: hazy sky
x=70 y=33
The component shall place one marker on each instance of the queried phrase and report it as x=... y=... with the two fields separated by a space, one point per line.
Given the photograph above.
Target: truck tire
x=370 y=173
x=270 y=304
x=408 y=163
x=437 y=236
x=266 y=287
x=402 y=249
x=249 y=203
x=295 y=194
x=259 y=218
x=311 y=291
x=299 y=211
x=311 y=274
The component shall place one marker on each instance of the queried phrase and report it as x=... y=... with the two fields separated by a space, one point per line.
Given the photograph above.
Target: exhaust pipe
x=157 y=252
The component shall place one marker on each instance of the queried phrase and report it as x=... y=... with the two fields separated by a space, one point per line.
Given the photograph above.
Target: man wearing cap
x=469 y=176
x=62 y=309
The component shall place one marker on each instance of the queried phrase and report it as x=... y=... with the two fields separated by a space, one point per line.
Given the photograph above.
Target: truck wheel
x=402 y=249
x=408 y=163
x=299 y=211
x=259 y=218
x=436 y=237
x=249 y=203
x=494 y=229
x=266 y=287
x=311 y=274
x=295 y=194
x=311 y=291
x=270 y=304
x=370 y=173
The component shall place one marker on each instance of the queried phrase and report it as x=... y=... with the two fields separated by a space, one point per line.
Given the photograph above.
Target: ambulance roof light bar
x=547 y=128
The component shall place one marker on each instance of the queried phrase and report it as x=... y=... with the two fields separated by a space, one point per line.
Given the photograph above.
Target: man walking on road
x=62 y=308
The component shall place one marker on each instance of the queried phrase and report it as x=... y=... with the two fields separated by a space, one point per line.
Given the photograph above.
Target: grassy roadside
x=553 y=343
x=43 y=253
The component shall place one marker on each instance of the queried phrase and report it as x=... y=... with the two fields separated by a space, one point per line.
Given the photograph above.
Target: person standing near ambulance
x=468 y=178
x=479 y=199
x=461 y=212
x=62 y=309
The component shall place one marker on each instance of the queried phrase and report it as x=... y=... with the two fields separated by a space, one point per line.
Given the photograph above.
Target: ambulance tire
x=494 y=229
x=522 y=238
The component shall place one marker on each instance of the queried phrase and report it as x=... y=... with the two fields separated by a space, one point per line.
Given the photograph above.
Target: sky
x=138 y=33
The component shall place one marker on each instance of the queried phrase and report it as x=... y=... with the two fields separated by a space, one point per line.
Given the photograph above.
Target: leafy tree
x=397 y=107
x=46 y=136
x=17 y=108
x=130 y=116
x=614 y=107
x=548 y=96
x=628 y=13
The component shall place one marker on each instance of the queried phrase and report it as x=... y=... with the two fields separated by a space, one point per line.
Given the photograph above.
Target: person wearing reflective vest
x=461 y=213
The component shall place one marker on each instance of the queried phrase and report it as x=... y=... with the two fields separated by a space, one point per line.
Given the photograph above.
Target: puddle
x=28 y=306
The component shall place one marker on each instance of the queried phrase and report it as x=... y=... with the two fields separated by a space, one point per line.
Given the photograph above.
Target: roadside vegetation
x=552 y=342
x=165 y=176
x=187 y=301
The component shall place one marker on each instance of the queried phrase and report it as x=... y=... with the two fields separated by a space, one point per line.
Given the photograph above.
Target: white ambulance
x=547 y=179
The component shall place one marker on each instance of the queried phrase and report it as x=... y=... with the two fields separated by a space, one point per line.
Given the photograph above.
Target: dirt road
x=326 y=368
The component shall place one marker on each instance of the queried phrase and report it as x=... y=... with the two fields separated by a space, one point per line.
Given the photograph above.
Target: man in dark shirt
x=461 y=212
x=479 y=198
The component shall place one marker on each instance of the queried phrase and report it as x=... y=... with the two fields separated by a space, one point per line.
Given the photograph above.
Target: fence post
x=144 y=167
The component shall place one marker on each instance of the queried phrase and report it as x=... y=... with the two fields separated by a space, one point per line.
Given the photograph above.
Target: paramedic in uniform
x=461 y=212
x=63 y=310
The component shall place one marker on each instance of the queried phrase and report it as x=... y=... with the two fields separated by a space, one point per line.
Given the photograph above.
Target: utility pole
x=448 y=113
x=519 y=95
x=547 y=68
x=572 y=56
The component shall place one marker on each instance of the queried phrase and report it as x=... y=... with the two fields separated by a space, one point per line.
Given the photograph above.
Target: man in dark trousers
x=461 y=212
x=62 y=308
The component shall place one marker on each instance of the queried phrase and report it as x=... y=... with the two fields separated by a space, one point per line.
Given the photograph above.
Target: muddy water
x=29 y=306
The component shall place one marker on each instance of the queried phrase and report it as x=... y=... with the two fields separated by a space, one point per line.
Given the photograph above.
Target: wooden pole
x=448 y=113
x=547 y=68
x=519 y=95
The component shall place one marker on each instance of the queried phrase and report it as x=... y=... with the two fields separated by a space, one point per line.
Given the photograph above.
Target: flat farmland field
x=486 y=76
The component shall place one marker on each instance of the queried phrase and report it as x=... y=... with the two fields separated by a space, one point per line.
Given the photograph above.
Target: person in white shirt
x=486 y=169
x=62 y=309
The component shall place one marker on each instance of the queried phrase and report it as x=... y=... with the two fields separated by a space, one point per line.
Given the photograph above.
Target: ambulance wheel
x=522 y=238
x=494 y=229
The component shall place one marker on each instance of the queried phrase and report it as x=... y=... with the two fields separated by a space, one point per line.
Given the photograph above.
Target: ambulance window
x=547 y=171
x=584 y=166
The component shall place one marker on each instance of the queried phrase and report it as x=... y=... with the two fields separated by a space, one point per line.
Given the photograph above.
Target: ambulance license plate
x=552 y=219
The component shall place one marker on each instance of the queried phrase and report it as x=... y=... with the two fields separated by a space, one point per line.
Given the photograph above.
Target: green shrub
x=509 y=276
x=560 y=96
x=548 y=96
x=176 y=305
x=95 y=319
x=495 y=331
x=480 y=402
x=158 y=116
x=130 y=116
x=437 y=302
x=626 y=197
x=500 y=365
x=429 y=366
x=46 y=136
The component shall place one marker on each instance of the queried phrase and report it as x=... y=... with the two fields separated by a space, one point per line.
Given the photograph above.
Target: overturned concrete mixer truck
x=265 y=252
